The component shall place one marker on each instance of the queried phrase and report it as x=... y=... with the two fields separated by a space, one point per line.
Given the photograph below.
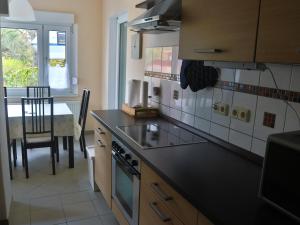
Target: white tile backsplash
x=269 y=105
x=292 y=122
x=189 y=101
x=247 y=77
x=187 y=118
x=165 y=92
x=195 y=109
x=202 y=124
x=219 y=131
x=175 y=103
x=246 y=101
x=282 y=75
x=227 y=75
x=204 y=102
x=242 y=140
x=295 y=79
x=221 y=96
x=258 y=147
x=155 y=83
x=175 y=114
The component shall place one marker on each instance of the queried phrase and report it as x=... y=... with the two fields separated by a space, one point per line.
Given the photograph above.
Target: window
x=35 y=54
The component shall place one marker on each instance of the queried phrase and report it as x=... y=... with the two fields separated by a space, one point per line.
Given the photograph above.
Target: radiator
x=74 y=107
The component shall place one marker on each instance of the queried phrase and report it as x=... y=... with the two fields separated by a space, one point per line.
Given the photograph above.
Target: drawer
x=172 y=200
x=100 y=142
x=101 y=130
x=154 y=211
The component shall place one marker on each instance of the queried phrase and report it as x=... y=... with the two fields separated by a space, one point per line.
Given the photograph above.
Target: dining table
x=63 y=124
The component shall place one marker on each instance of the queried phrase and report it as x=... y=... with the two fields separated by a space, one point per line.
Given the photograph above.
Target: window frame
x=43 y=54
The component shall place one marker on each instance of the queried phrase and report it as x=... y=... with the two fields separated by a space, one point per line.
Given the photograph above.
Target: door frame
x=113 y=58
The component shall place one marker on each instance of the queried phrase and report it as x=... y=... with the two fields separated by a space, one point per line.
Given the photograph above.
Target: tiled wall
x=196 y=110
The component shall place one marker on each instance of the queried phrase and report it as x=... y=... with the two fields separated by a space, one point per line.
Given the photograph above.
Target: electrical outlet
x=221 y=108
x=244 y=115
x=241 y=113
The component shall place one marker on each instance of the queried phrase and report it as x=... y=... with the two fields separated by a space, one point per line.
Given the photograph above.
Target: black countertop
x=220 y=180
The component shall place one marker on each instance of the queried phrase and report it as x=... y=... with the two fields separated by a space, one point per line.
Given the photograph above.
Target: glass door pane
x=57 y=60
x=20 y=55
x=122 y=64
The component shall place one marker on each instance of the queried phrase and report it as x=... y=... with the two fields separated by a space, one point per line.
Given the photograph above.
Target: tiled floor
x=65 y=198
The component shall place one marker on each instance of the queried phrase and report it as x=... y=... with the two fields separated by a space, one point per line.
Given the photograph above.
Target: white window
x=37 y=54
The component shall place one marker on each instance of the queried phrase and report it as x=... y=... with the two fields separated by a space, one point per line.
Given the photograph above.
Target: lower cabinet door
x=153 y=211
x=100 y=162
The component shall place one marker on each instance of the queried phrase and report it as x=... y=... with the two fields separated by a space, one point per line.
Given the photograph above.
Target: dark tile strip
x=291 y=96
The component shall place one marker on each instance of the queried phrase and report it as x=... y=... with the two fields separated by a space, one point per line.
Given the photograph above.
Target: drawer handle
x=155 y=187
x=101 y=144
x=161 y=215
x=100 y=131
x=209 y=51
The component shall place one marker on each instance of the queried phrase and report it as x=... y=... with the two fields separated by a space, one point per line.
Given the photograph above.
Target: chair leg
x=56 y=148
x=65 y=143
x=26 y=162
x=14 y=145
x=84 y=146
x=23 y=156
x=53 y=159
x=9 y=162
x=81 y=143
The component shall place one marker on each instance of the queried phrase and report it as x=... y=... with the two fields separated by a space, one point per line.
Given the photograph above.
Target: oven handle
x=161 y=215
x=125 y=165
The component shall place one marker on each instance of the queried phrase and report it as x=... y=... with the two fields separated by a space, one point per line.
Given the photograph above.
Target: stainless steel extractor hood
x=161 y=16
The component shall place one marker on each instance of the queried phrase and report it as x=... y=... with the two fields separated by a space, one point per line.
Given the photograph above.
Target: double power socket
x=237 y=112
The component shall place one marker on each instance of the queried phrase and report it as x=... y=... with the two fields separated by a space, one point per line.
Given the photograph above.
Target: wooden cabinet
x=103 y=163
x=118 y=214
x=219 y=30
x=161 y=204
x=279 y=36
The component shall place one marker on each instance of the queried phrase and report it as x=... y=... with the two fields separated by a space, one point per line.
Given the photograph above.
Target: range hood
x=161 y=16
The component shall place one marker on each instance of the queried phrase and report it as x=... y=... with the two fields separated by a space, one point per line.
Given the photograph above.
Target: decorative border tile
x=291 y=96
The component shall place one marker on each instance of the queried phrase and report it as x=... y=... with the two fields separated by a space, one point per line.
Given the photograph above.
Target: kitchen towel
x=198 y=76
x=134 y=93
x=145 y=94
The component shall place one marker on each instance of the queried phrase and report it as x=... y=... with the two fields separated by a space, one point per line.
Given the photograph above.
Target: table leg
x=14 y=145
x=65 y=143
x=71 y=151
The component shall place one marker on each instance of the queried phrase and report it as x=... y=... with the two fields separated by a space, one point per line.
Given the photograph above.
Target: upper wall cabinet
x=219 y=30
x=279 y=36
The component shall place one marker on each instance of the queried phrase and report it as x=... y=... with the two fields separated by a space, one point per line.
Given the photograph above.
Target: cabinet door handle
x=100 y=131
x=101 y=144
x=155 y=187
x=209 y=51
x=161 y=215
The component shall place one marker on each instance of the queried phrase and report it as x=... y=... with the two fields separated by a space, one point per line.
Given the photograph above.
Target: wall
x=250 y=90
x=88 y=16
x=5 y=183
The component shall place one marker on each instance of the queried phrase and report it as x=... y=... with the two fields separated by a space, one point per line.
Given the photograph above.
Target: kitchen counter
x=219 y=179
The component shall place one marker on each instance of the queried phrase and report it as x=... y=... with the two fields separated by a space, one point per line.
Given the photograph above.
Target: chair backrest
x=84 y=108
x=38 y=92
x=37 y=116
x=5 y=92
x=7 y=121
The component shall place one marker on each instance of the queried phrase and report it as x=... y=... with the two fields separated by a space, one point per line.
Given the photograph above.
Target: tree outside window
x=19 y=57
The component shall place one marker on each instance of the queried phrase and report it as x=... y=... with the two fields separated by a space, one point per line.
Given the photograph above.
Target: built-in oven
x=126 y=181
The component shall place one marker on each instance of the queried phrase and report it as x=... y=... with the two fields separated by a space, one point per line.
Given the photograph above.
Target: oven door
x=126 y=189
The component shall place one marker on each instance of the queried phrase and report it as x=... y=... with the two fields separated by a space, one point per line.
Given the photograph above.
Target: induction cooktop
x=158 y=135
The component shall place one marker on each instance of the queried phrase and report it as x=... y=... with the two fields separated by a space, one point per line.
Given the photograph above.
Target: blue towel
x=183 y=73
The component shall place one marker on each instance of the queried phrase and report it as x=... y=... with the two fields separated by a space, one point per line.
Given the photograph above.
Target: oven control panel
x=124 y=153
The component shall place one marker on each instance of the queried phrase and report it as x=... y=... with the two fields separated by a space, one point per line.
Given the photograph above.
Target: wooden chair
x=11 y=143
x=38 y=127
x=38 y=91
x=82 y=119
